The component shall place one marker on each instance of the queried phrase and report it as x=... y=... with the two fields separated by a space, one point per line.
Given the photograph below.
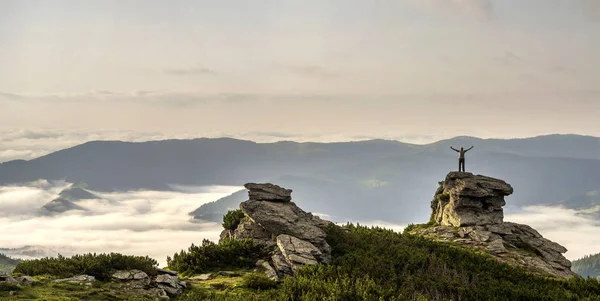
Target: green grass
x=49 y=291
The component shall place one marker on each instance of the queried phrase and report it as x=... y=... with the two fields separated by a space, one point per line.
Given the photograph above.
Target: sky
x=410 y=70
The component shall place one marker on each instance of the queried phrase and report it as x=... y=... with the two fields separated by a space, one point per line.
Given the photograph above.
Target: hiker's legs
x=461 y=164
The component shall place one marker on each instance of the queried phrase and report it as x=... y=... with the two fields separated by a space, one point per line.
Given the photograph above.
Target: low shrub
x=208 y=257
x=232 y=219
x=258 y=281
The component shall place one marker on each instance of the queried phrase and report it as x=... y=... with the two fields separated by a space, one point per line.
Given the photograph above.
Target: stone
x=282 y=267
x=268 y=192
x=464 y=199
x=203 y=277
x=229 y=273
x=249 y=229
x=286 y=218
x=173 y=291
x=172 y=281
x=130 y=275
x=269 y=270
x=79 y=278
x=298 y=252
x=169 y=272
x=24 y=279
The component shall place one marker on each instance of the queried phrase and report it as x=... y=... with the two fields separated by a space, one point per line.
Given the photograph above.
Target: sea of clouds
x=157 y=224
x=153 y=223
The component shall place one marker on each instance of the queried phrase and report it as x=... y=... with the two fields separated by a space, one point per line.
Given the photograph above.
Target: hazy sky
x=343 y=68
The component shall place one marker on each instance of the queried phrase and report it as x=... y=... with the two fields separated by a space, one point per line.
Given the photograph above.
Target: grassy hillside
x=588 y=266
x=379 y=264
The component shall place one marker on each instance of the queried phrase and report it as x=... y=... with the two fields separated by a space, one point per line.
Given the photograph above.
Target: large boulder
x=286 y=218
x=464 y=199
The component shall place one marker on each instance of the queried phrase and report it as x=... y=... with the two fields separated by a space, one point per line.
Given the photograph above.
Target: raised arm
x=454 y=149
x=468 y=149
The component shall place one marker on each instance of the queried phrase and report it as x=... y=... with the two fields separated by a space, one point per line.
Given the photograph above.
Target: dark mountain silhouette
x=367 y=180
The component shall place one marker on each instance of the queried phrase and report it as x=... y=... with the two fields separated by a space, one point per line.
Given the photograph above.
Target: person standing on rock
x=461 y=157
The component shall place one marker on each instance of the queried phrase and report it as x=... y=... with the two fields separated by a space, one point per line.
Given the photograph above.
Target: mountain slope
x=370 y=180
x=588 y=266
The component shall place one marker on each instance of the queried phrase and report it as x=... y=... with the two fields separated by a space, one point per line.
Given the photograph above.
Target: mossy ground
x=50 y=291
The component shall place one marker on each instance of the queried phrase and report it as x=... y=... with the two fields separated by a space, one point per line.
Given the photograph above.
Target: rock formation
x=467 y=210
x=272 y=219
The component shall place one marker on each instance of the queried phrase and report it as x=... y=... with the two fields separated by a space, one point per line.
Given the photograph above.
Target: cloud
x=150 y=223
x=478 y=9
x=576 y=231
x=194 y=70
x=591 y=8
x=313 y=71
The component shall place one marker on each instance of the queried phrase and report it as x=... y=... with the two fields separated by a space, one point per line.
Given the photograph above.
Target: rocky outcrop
x=467 y=210
x=464 y=199
x=272 y=219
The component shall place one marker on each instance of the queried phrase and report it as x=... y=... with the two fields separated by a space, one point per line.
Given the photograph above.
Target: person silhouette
x=461 y=157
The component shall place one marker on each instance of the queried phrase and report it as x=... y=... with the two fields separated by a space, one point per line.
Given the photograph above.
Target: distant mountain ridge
x=380 y=179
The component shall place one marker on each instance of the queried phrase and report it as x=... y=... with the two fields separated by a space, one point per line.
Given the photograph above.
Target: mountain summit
x=467 y=210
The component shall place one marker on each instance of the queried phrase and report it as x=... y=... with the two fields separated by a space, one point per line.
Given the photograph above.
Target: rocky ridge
x=296 y=237
x=467 y=210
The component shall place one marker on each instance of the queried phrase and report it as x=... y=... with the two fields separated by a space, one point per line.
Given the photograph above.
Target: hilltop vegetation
x=379 y=264
x=588 y=266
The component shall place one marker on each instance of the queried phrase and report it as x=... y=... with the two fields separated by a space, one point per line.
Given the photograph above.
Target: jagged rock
x=79 y=278
x=169 y=272
x=282 y=267
x=268 y=192
x=286 y=218
x=464 y=199
x=171 y=284
x=249 y=229
x=130 y=275
x=269 y=271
